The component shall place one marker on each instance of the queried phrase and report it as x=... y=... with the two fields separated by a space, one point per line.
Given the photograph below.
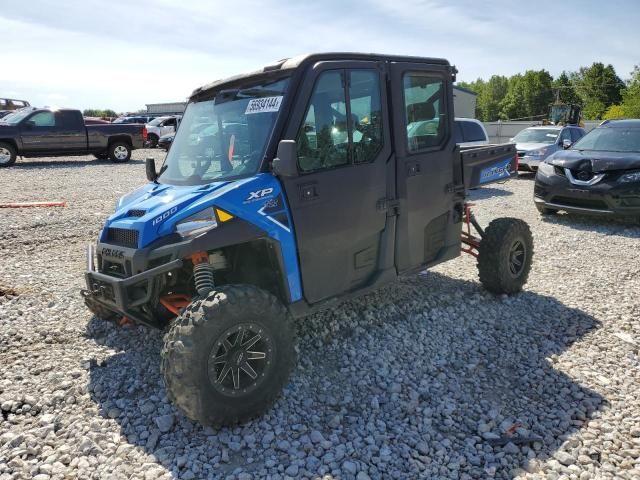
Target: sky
x=124 y=54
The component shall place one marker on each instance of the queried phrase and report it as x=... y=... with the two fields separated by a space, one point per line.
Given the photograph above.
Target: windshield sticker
x=263 y=105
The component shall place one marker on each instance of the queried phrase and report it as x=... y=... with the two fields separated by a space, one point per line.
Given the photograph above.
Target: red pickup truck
x=45 y=132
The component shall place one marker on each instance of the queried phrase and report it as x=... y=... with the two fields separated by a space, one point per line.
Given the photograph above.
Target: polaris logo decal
x=110 y=252
x=258 y=194
x=164 y=216
x=495 y=172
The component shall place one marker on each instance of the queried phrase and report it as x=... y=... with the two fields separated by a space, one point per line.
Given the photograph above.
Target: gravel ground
x=428 y=378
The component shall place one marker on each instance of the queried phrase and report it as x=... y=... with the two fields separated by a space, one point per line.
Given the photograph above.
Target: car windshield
x=156 y=121
x=15 y=117
x=611 y=139
x=537 y=135
x=225 y=137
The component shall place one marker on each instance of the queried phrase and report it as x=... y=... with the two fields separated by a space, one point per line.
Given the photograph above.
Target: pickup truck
x=44 y=132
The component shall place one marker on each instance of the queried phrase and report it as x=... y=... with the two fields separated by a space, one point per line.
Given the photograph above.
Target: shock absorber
x=202 y=273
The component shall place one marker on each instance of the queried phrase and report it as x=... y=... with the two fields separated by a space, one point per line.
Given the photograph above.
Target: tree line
x=95 y=112
x=598 y=89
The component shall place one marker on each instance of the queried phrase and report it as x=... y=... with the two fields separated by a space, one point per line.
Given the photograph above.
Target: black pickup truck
x=44 y=132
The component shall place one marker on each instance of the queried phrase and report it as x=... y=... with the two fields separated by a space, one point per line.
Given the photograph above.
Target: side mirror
x=566 y=143
x=29 y=124
x=150 y=165
x=286 y=162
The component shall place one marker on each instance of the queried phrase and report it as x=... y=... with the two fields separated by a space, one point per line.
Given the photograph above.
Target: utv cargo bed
x=488 y=164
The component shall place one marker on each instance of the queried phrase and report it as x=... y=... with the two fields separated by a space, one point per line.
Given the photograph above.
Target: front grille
x=136 y=213
x=580 y=202
x=122 y=237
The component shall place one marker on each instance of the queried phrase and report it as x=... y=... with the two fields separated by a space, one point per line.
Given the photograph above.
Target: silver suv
x=534 y=144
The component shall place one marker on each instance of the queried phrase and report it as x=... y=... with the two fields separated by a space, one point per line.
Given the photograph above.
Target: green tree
x=599 y=87
x=528 y=96
x=95 y=112
x=489 y=98
x=631 y=95
x=566 y=90
x=513 y=105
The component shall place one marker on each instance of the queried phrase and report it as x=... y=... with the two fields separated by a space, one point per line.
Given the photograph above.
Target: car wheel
x=8 y=154
x=120 y=152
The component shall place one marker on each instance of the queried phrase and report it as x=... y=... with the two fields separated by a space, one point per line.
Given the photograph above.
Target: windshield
x=156 y=121
x=537 y=135
x=15 y=117
x=615 y=139
x=224 y=137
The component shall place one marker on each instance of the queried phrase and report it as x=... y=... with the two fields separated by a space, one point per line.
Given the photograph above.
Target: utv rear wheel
x=228 y=356
x=505 y=254
x=120 y=152
x=8 y=154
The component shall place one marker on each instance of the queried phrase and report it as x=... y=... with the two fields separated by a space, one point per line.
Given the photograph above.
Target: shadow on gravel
x=431 y=377
x=487 y=192
x=621 y=227
x=64 y=162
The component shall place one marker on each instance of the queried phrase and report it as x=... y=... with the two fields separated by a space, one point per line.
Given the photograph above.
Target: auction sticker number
x=263 y=105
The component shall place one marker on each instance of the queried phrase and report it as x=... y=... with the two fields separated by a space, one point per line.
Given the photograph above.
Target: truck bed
x=485 y=164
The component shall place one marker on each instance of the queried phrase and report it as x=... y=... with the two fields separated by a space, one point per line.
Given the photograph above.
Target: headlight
x=546 y=169
x=536 y=153
x=630 y=177
x=197 y=223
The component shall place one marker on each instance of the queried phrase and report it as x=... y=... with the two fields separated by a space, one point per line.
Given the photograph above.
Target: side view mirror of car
x=286 y=162
x=150 y=165
x=29 y=124
x=566 y=143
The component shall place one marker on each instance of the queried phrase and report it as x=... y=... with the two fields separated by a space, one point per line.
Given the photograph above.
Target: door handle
x=413 y=168
x=308 y=192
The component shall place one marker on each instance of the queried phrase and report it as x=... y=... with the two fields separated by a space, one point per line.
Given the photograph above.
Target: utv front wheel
x=505 y=254
x=228 y=356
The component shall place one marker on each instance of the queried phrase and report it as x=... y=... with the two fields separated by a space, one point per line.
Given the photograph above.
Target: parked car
x=600 y=174
x=134 y=119
x=470 y=132
x=13 y=104
x=164 y=141
x=534 y=144
x=95 y=121
x=44 y=132
x=160 y=126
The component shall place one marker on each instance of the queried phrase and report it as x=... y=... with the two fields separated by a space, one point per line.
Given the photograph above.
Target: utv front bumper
x=126 y=295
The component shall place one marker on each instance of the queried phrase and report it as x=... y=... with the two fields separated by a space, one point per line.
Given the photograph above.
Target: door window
x=366 y=115
x=576 y=134
x=43 y=119
x=170 y=122
x=565 y=135
x=425 y=110
x=341 y=125
x=68 y=120
x=473 y=132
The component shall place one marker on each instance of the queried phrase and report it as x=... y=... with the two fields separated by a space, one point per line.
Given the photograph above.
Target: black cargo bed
x=487 y=164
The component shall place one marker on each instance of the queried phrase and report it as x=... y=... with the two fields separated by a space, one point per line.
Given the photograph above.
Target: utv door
x=425 y=152
x=341 y=128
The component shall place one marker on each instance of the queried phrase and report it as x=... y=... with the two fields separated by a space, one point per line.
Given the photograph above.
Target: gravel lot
x=428 y=378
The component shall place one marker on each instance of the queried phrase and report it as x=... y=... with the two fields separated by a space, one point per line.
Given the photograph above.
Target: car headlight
x=630 y=177
x=546 y=169
x=536 y=153
x=197 y=223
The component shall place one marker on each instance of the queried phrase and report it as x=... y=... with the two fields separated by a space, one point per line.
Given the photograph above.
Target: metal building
x=173 y=108
x=464 y=102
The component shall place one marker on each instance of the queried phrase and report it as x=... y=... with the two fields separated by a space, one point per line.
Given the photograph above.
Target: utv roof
x=296 y=62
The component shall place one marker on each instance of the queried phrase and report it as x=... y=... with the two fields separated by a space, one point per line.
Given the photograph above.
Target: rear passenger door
x=341 y=130
x=425 y=150
x=71 y=134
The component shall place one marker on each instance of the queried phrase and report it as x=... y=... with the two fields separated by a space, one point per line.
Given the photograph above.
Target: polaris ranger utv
x=316 y=178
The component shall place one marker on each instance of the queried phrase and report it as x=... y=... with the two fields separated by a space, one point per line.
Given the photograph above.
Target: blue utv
x=284 y=190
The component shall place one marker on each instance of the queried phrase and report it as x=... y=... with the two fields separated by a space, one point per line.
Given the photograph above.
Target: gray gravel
x=431 y=377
